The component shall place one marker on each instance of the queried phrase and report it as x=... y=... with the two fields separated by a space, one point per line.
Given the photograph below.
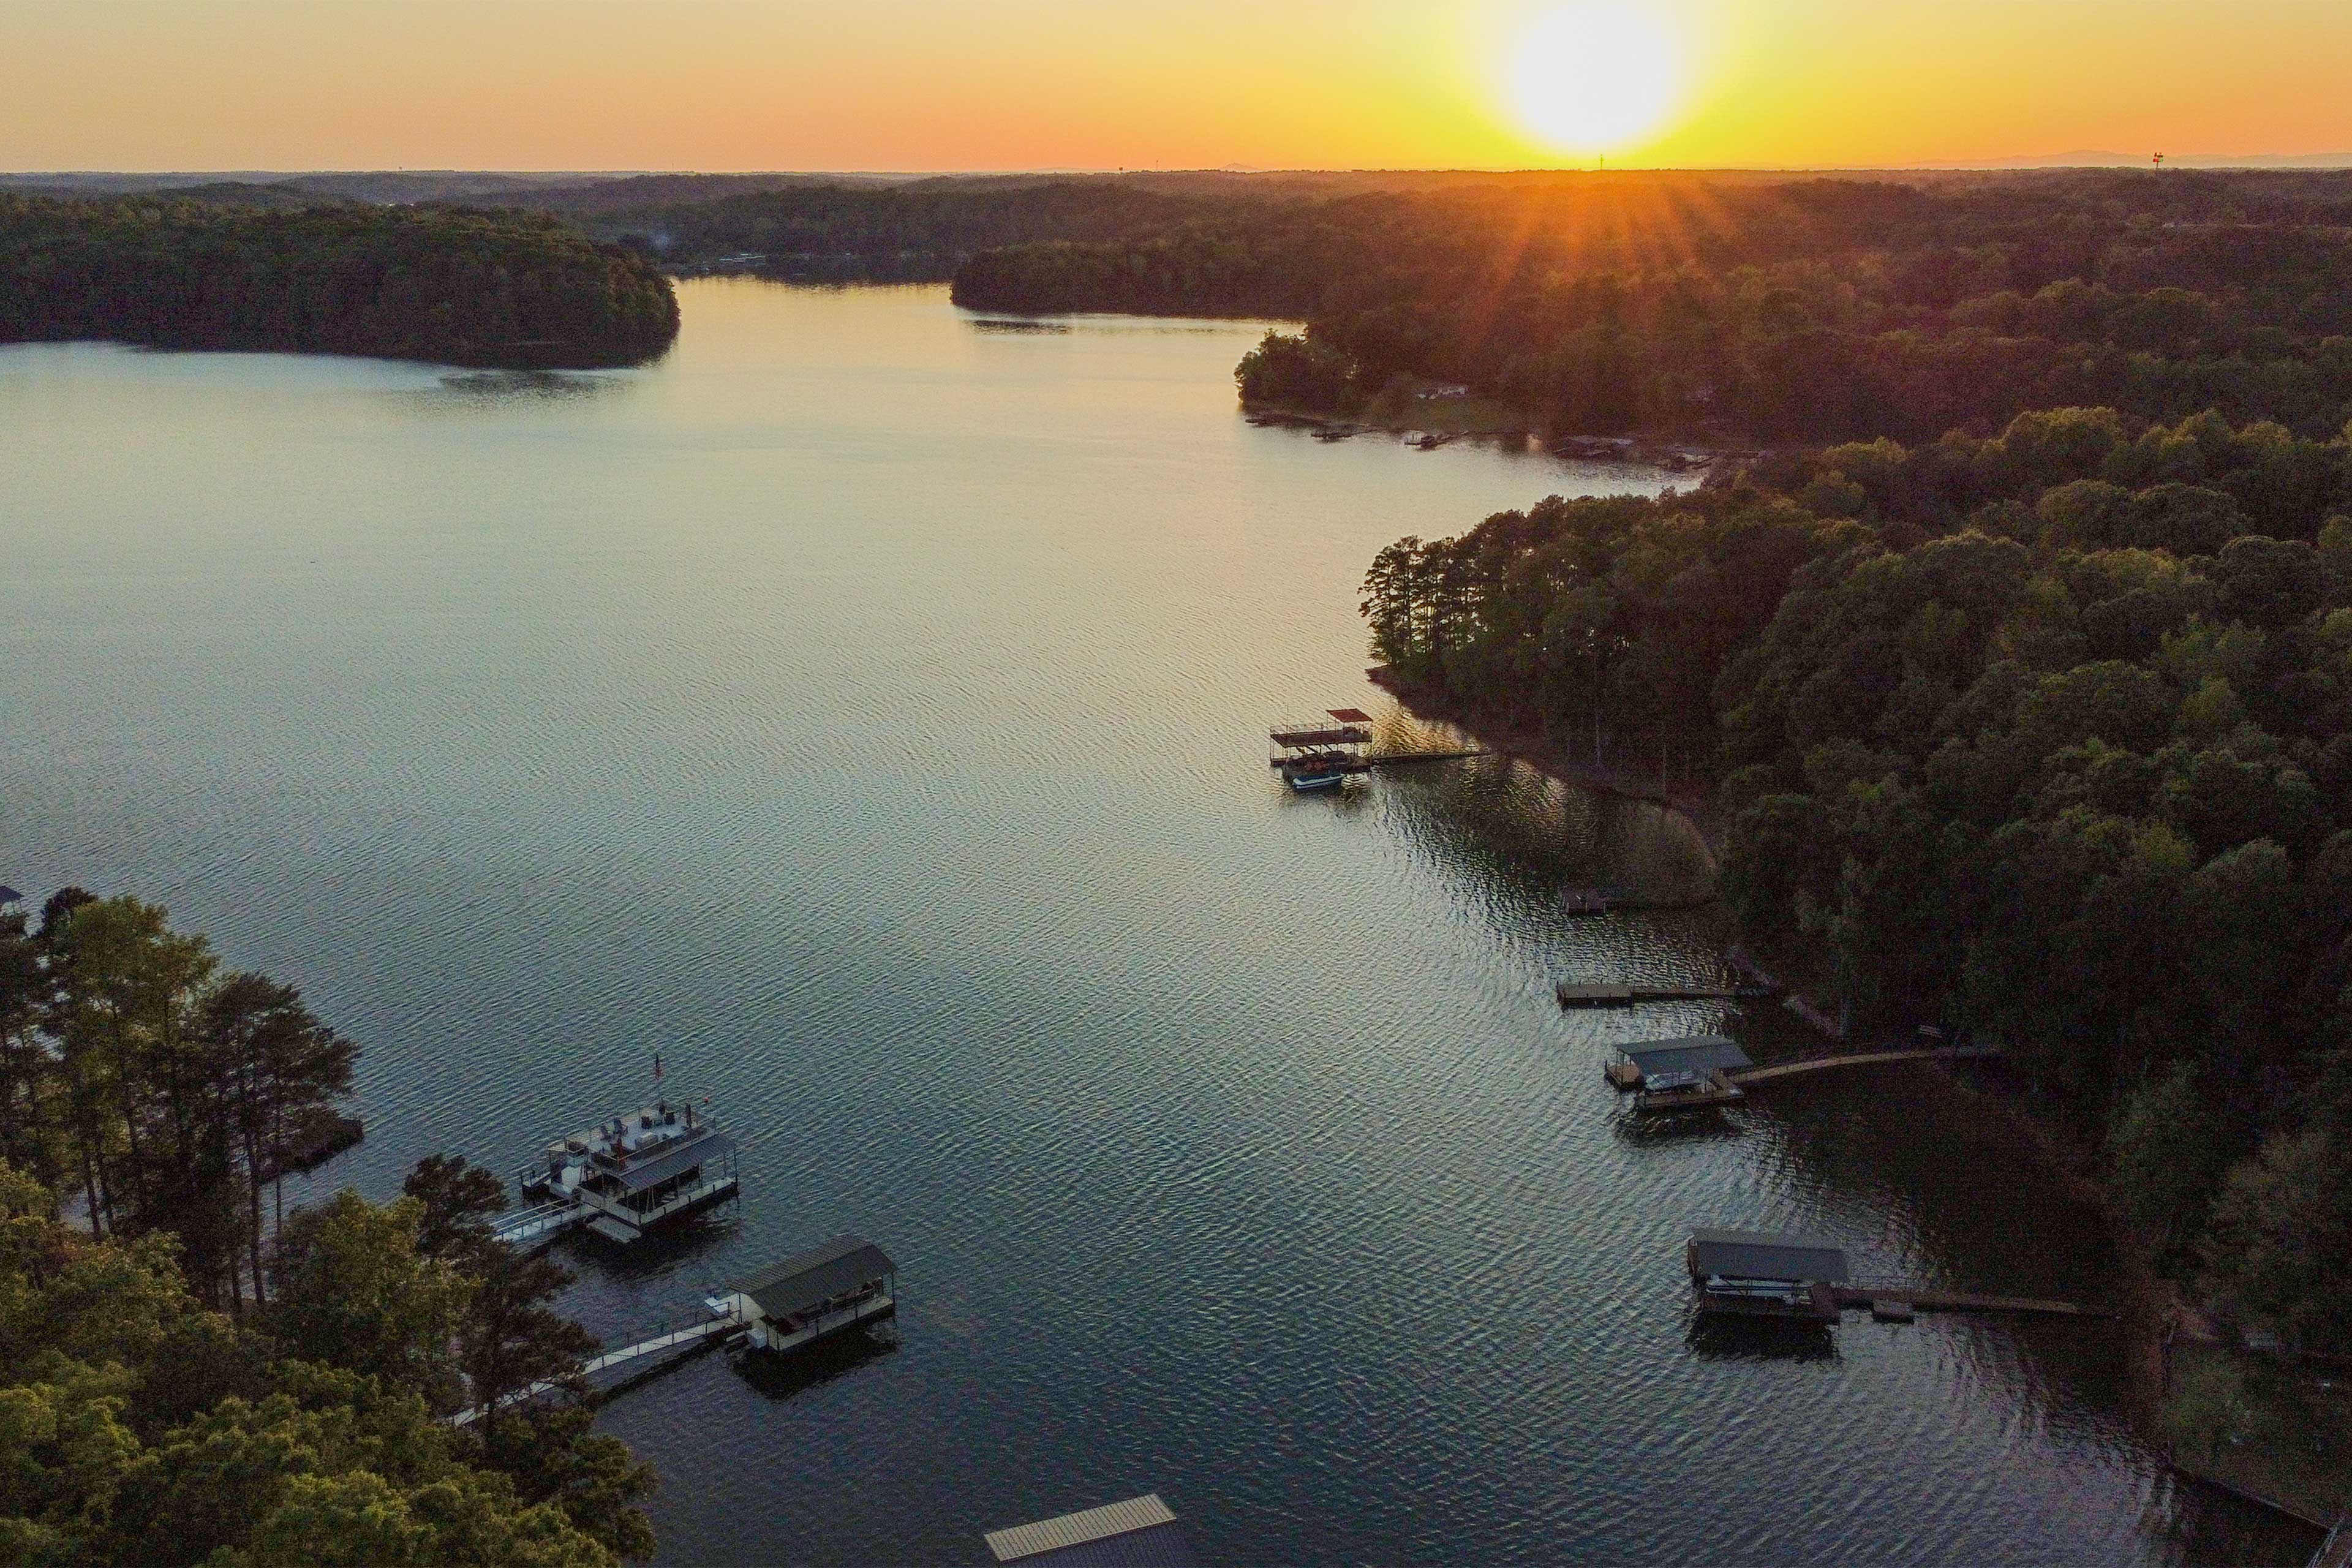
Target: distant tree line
x=187 y=1379
x=442 y=284
x=917 y=232
x=1796 y=309
x=2045 y=736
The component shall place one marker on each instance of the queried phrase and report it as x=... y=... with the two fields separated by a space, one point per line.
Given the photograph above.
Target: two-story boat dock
x=625 y=1176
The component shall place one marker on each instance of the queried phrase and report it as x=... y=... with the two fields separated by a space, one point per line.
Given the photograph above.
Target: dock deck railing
x=539 y=1222
x=676 y=1334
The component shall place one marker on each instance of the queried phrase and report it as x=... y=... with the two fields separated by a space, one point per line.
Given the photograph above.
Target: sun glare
x=1595 y=76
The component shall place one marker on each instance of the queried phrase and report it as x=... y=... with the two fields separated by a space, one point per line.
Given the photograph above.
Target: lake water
x=865 y=708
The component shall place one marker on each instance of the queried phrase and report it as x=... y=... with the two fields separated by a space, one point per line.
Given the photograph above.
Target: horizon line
x=2090 y=158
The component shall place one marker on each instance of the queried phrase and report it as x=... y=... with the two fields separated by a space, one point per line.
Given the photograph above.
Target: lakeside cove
x=782 y=703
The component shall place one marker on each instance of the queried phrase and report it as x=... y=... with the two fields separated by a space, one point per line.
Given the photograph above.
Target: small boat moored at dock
x=1320 y=753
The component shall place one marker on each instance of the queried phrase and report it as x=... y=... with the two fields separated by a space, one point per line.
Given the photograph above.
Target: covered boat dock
x=1759 y=1274
x=843 y=1284
x=1659 y=1064
x=1694 y=1072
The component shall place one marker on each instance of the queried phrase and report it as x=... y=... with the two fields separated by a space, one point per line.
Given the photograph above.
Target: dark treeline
x=920 y=232
x=2046 y=737
x=187 y=1378
x=1810 y=309
x=441 y=284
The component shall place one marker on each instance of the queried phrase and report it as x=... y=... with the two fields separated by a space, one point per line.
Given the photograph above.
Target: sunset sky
x=1000 y=84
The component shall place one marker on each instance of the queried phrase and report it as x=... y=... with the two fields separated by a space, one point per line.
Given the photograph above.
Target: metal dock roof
x=805 y=1278
x=683 y=1155
x=1693 y=1053
x=1765 y=1255
x=1139 y=1533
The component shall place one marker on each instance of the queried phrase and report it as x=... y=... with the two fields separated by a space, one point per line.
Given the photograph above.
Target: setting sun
x=1595 y=76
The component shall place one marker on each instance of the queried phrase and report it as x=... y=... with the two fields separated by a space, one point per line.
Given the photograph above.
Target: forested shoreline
x=2045 y=737
x=446 y=285
x=2022 y=668
x=1803 y=310
x=191 y=1373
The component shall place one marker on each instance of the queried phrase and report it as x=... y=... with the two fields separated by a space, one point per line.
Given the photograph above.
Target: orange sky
x=994 y=84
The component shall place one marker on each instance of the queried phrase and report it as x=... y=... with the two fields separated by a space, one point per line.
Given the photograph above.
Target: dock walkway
x=671 y=1342
x=1872 y=1296
x=535 y=1226
x=1864 y=1058
x=1365 y=764
x=1570 y=994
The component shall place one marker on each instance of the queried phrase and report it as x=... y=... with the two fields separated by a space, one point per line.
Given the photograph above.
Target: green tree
x=351 y=1290
x=2282 y=1229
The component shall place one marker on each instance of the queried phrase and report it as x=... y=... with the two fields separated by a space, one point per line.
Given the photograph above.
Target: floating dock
x=1322 y=754
x=1758 y=1274
x=843 y=1284
x=1697 y=1072
x=312 y=1145
x=1763 y=1274
x=1140 y=1533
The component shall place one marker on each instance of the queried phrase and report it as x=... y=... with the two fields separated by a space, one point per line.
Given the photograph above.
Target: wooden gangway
x=1571 y=993
x=1875 y=1296
x=649 y=1351
x=1746 y=1075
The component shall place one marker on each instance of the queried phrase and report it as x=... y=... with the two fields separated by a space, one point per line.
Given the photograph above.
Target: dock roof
x=1139 y=1533
x=1692 y=1053
x=685 y=1155
x=1312 y=733
x=1767 y=1255
x=806 y=1279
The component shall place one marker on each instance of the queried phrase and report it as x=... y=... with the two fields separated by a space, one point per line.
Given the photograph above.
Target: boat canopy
x=670 y=1159
x=1697 y=1054
x=810 y=1278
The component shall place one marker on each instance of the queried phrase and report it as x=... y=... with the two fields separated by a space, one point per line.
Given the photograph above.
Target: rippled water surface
x=865 y=708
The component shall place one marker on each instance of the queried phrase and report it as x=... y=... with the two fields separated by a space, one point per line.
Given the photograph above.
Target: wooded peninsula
x=446 y=285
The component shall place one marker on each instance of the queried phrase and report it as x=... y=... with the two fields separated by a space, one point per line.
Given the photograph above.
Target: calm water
x=865 y=707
